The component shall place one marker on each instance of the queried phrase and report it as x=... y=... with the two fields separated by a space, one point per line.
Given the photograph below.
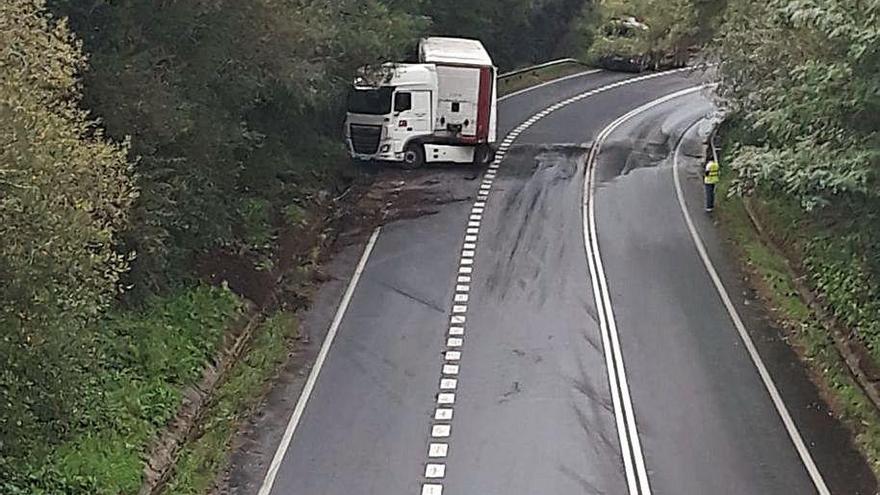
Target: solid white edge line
x=552 y=81
x=269 y=480
x=787 y=420
x=598 y=272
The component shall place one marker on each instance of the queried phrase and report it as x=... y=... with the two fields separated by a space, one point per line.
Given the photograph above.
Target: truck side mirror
x=402 y=102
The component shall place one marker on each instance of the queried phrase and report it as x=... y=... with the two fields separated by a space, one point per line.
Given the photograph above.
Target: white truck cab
x=443 y=109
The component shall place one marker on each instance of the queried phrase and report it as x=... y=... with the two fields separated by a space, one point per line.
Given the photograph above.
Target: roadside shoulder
x=837 y=419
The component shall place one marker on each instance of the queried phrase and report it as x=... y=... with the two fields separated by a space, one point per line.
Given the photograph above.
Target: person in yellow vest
x=711 y=176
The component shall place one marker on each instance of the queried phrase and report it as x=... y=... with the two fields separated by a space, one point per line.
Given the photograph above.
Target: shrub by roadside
x=207 y=454
x=142 y=360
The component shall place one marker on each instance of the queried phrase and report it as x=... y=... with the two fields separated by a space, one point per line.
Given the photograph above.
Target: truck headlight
x=385 y=148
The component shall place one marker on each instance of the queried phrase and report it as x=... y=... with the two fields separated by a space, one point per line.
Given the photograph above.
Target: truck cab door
x=412 y=114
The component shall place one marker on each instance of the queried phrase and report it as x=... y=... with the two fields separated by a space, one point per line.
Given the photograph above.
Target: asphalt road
x=534 y=409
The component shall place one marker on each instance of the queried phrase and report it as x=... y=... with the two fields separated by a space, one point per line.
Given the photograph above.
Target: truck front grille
x=365 y=138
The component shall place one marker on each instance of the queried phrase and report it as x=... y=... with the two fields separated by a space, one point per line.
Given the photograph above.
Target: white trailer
x=443 y=109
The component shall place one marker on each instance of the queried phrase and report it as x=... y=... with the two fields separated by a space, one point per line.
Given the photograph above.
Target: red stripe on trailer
x=484 y=104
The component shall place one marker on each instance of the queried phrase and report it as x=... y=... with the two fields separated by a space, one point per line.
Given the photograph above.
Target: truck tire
x=483 y=155
x=413 y=156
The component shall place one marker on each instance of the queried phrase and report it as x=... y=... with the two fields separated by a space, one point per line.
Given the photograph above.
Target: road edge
x=293 y=423
x=767 y=380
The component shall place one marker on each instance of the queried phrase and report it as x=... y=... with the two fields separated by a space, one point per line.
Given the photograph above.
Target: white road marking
x=443 y=398
x=466 y=261
x=548 y=83
x=450 y=369
x=630 y=442
x=432 y=489
x=453 y=355
x=269 y=480
x=775 y=396
x=435 y=470
x=441 y=431
x=625 y=446
x=448 y=384
x=436 y=450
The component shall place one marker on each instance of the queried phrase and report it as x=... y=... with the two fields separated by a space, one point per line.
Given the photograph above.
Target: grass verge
x=775 y=281
x=510 y=84
x=143 y=361
x=207 y=455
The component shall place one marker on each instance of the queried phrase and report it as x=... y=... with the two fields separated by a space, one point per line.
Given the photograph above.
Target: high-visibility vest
x=713 y=173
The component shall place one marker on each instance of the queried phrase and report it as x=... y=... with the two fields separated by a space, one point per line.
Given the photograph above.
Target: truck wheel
x=483 y=155
x=413 y=156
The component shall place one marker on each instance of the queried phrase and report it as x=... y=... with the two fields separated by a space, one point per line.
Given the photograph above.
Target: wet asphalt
x=533 y=412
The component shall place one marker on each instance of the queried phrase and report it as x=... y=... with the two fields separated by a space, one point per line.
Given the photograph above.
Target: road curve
x=534 y=409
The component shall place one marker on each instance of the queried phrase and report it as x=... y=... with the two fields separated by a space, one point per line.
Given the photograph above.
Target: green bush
x=142 y=361
x=65 y=194
x=803 y=76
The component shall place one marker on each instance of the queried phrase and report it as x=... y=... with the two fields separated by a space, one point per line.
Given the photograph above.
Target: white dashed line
x=435 y=470
x=437 y=450
x=450 y=369
x=432 y=489
x=441 y=431
x=448 y=384
x=455 y=340
x=443 y=414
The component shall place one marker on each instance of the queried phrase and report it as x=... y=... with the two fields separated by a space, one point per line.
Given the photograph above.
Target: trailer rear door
x=459 y=98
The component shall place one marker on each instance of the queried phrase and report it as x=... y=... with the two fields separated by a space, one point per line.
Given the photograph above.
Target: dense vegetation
x=141 y=138
x=654 y=30
x=805 y=130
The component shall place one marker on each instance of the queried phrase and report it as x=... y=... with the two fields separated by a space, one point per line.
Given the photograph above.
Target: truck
x=441 y=109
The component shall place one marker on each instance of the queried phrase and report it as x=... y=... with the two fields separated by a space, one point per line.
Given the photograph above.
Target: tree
x=228 y=104
x=803 y=78
x=65 y=194
x=665 y=28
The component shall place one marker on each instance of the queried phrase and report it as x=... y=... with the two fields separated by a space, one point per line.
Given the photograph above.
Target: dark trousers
x=710 y=196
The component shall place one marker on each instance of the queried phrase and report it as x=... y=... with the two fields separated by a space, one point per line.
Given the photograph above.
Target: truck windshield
x=370 y=101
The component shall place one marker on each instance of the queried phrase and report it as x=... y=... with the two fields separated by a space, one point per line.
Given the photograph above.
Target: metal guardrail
x=551 y=63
